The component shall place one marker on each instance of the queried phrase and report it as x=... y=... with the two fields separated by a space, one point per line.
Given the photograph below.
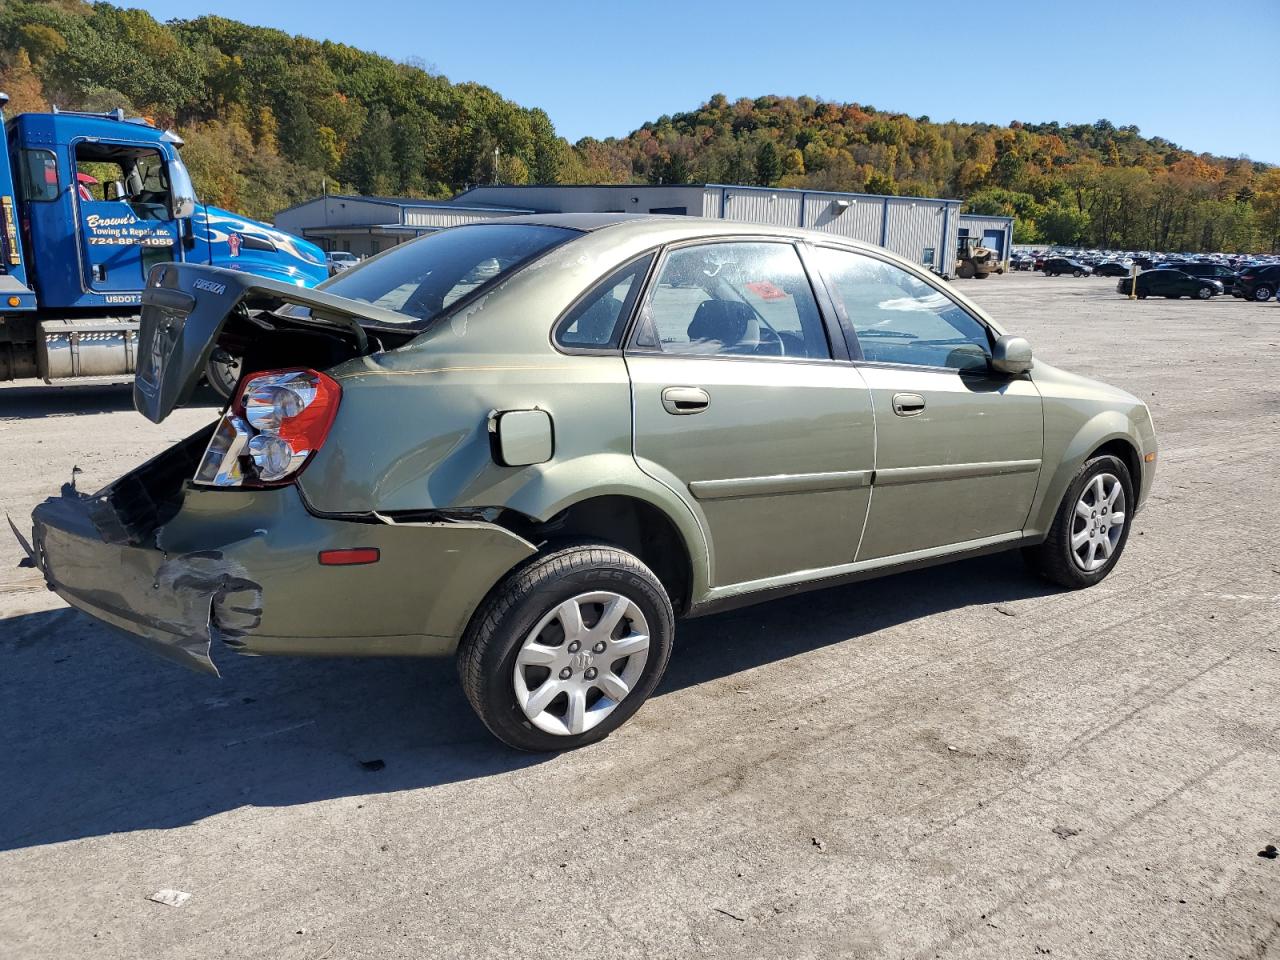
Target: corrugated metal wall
x=779 y=208
x=336 y=211
x=441 y=216
x=623 y=198
x=909 y=226
x=858 y=218
x=914 y=225
x=978 y=225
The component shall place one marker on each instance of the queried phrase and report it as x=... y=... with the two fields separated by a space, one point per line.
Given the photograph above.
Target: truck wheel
x=1090 y=528
x=567 y=647
x=223 y=373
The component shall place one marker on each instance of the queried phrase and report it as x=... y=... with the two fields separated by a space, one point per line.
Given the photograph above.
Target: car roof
x=673 y=227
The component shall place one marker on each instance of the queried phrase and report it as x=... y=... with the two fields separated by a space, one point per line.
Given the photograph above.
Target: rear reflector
x=350 y=557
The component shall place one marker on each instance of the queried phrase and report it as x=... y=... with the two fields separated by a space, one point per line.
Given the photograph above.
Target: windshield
x=424 y=278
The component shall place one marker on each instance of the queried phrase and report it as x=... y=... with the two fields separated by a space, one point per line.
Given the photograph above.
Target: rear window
x=423 y=279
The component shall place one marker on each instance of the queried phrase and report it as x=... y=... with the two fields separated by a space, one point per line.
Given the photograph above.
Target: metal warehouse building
x=369 y=225
x=995 y=233
x=921 y=229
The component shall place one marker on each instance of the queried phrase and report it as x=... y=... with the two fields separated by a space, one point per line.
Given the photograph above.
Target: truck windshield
x=424 y=278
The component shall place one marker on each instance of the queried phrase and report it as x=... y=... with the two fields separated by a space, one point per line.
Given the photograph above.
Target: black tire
x=1142 y=296
x=222 y=372
x=1205 y=293
x=1053 y=558
x=1077 y=274
x=1262 y=294
x=513 y=608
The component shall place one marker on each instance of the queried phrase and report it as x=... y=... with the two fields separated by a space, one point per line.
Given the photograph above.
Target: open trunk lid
x=186 y=306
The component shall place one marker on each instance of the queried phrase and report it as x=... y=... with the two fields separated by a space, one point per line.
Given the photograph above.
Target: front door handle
x=908 y=404
x=683 y=401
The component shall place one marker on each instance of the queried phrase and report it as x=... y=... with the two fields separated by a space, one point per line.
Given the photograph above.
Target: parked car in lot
x=631 y=420
x=1057 y=266
x=339 y=260
x=1021 y=261
x=1111 y=268
x=1257 y=283
x=1210 y=271
x=1167 y=282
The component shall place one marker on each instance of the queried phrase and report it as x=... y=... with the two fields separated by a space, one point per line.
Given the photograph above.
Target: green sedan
x=535 y=443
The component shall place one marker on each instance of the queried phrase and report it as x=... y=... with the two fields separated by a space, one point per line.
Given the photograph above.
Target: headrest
x=724 y=320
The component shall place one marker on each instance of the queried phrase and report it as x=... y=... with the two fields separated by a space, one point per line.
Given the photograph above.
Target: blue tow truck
x=89 y=203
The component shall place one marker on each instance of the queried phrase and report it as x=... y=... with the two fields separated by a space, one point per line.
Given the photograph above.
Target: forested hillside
x=267 y=117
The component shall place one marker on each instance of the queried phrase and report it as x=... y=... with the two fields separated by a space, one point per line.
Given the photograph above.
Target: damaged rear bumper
x=240 y=570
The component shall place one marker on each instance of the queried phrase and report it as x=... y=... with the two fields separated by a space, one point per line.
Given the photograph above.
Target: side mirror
x=184 y=208
x=1011 y=355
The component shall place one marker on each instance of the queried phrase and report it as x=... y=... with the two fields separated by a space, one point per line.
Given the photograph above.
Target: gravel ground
x=959 y=762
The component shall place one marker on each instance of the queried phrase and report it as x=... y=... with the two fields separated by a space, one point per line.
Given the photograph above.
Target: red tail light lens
x=278 y=420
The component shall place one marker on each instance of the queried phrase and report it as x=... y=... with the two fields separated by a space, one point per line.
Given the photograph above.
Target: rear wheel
x=223 y=373
x=566 y=648
x=1091 y=526
x=1262 y=294
x=1077 y=273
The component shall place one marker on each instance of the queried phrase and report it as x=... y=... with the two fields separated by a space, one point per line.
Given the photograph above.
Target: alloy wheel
x=580 y=661
x=1098 y=523
x=223 y=373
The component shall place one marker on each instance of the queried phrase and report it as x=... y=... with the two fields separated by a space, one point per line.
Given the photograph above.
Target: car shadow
x=99 y=737
x=729 y=643
x=39 y=401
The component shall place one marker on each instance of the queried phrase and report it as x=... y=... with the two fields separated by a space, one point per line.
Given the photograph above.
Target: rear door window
x=734 y=299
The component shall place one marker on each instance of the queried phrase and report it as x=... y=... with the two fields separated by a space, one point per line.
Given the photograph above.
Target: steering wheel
x=771 y=342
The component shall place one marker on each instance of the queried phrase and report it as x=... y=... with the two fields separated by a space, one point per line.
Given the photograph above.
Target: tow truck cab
x=91 y=202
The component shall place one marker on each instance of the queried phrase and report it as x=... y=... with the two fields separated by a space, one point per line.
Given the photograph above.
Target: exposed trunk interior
x=132 y=508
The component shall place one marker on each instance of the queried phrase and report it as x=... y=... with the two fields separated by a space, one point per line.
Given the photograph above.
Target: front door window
x=124 y=200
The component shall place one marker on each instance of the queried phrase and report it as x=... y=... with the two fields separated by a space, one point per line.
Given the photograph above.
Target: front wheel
x=1204 y=293
x=566 y=648
x=1091 y=526
x=1077 y=274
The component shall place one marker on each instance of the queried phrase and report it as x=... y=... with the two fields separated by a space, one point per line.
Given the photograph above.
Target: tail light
x=277 y=421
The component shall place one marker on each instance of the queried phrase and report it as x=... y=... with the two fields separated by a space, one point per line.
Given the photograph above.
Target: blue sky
x=1196 y=73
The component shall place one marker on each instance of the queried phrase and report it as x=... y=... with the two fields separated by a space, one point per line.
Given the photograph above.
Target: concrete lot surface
x=962 y=762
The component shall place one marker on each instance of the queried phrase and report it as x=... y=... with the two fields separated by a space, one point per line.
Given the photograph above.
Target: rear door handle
x=682 y=401
x=908 y=404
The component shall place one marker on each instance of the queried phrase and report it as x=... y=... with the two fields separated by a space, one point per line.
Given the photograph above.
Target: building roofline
x=989 y=216
x=826 y=193
x=697 y=186
x=404 y=202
